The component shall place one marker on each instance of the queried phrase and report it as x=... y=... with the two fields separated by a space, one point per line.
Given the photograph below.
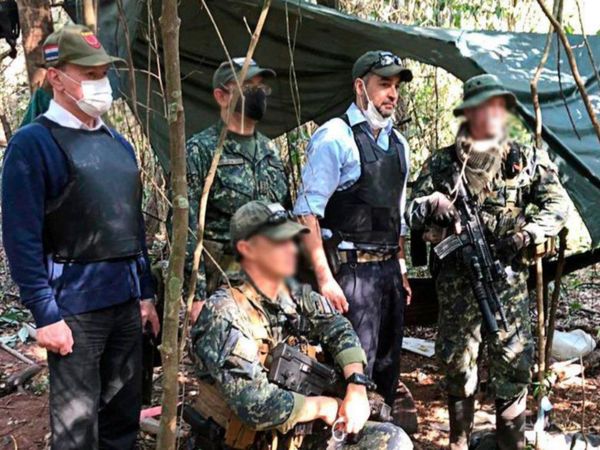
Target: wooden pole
x=541 y=334
x=560 y=267
x=35 y=19
x=169 y=24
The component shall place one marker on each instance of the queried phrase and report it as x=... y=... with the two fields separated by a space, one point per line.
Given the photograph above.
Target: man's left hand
x=407 y=288
x=149 y=315
x=355 y=408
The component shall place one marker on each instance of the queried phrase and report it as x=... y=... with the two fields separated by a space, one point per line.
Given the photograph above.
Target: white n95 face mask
x=96 y=96
x=372 y=114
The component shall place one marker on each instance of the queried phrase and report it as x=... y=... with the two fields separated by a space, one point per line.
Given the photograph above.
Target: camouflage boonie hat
x=261 y=218
x=76 y=44
x=382 y=63
x=224 y=73
x=479 y=89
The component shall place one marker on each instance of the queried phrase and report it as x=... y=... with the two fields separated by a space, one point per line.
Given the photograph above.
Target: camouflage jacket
x=240 y=178
x=236 y=328
x=533 y=201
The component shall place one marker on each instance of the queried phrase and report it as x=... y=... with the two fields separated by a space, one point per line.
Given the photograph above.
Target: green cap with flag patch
x=224 y=73
x=264 y=219
x=76 y=44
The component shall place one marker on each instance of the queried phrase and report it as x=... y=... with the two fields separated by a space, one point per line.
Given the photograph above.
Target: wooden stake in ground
x=90 y=18
x=573 y=63
x=169 y=24
x=36 y=24
x=541 y=334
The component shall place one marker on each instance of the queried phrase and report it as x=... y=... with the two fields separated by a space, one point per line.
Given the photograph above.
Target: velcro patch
x=231 y=162
x=246 y=349
x=51 y=52
x=91 y=39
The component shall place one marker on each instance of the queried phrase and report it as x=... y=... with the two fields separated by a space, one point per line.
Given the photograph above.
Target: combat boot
x=510 y=423
x=404 y=410
x=461 y=411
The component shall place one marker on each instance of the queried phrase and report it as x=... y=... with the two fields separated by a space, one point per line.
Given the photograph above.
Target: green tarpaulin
x=313 y=48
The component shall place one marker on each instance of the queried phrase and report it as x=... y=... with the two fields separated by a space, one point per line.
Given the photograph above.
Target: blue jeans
x=376 y=297
x=95 y=392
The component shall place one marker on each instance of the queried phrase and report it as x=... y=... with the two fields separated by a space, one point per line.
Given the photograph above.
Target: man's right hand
x=332 y=291
x=56 y=338
x=328 y=409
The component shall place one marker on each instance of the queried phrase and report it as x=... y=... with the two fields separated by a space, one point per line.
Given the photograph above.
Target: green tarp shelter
x=313 y=48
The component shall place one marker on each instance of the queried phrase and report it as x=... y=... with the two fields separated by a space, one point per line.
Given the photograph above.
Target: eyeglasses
x=247 y=88
x=386 y=59
x=278 y=217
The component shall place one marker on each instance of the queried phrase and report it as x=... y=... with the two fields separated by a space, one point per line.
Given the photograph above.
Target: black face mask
x=255 y=103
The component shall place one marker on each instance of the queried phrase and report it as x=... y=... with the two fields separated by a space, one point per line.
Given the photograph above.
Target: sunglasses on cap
x=386 y=59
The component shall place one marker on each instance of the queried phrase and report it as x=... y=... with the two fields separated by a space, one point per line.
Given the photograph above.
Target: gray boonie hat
x=382 y=63
x=261 y=218
x=76 y=44
x=224 y=73
x=481 y=88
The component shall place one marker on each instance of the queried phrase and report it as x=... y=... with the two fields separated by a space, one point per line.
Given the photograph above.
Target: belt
x=363 y=256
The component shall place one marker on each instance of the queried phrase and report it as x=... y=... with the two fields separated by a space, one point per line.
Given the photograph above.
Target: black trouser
x=376 y=297
x=95 y=392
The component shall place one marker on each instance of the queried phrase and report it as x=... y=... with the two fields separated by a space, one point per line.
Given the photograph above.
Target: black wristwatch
x=362 y=380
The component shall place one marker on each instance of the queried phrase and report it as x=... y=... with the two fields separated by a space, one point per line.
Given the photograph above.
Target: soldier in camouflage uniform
x=240 y=324
x=249 y=169
x=522 y=203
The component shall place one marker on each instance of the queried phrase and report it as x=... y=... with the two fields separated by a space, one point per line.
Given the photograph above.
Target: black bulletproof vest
x=97 y=216
x=369 y=211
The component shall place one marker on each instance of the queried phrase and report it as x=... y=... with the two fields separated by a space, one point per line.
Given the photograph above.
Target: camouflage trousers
x=460 y=336
x=374 y=436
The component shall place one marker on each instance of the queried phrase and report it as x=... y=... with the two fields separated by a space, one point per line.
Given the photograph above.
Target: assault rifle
x=296 y=371
x=475 y=251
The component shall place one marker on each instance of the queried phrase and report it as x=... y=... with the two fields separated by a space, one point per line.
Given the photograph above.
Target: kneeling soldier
x=499 y=179
x=242 y=323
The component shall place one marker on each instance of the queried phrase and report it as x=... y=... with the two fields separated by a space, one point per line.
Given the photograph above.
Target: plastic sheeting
x=313 y=48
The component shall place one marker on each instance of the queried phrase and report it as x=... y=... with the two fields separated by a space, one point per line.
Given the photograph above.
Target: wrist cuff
x=292 y=420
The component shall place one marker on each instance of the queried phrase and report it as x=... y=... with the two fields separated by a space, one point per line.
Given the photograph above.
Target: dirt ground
x=24 y=421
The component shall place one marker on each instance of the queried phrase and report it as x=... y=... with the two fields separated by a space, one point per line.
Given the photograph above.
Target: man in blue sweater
x=74 y=237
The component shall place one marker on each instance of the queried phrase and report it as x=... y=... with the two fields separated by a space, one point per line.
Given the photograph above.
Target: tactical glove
x=441 y=209
x=508 y=247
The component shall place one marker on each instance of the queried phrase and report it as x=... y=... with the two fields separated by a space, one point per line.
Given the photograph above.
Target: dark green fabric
x=325 y=45
x=37 y=105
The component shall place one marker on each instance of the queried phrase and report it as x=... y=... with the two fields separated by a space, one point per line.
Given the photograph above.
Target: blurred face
x=382 y=91
x=68 y=78
x=487 y=120
x=275 y=259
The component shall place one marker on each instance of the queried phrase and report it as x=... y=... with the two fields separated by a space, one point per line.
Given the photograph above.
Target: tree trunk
x=169 y=24
x=36 y=24
x=90 y=18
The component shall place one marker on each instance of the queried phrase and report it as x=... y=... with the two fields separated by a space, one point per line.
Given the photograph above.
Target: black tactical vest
x=97 y=216
x=368 y=212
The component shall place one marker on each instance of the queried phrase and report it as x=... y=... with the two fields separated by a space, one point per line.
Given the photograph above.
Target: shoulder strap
x=401 y=150
x=362 y=141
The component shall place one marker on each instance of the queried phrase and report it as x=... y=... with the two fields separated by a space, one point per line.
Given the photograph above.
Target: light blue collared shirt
x=333 y=164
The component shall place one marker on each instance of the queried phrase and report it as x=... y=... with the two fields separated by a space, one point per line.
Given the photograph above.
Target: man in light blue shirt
x=352 y=198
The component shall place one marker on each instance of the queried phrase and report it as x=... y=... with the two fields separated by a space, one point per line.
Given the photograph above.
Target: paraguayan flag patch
x=51 y=52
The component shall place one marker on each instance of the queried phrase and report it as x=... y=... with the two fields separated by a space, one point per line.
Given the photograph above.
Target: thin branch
x=573 y=63
x=562 y=91
x=219 y=150
x=534 y=90
x=587 y=44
